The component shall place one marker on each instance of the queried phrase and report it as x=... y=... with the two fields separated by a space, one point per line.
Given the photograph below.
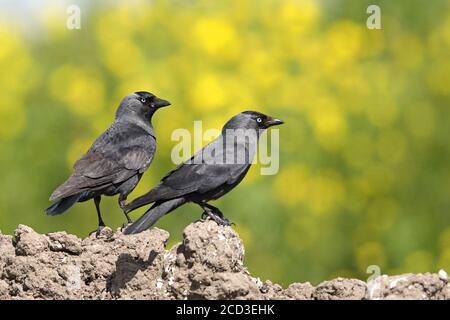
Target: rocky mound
x=208 y=264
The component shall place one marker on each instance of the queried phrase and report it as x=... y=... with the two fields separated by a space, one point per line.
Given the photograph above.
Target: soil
x=207 y=264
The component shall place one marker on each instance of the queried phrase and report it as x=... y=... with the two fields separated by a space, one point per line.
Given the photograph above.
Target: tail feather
x=141 y=201
x=153 y=214
x=158 y=194
x=63 y=204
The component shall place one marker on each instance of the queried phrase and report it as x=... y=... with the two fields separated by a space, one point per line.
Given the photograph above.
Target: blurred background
x=364 y=165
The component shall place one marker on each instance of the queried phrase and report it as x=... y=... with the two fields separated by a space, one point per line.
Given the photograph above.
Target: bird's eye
x=259 y=120
x=143 y=100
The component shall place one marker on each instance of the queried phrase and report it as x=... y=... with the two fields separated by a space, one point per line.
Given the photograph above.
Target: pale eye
x=143 y=100
x=259 y=120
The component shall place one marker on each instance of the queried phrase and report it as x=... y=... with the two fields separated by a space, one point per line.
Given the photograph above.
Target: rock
x=217 y=247
x=409 y=286
x=443 y=275
x=299 y=291
x=28 y=242
x=341 y=289
x=207 y=264
x=6 y=245
x=61 y=241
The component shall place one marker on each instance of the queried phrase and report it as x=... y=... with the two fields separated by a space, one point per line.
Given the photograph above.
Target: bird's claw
x=205 y=215
x=98 y=231
x=221 y=221
x=217 y=217
x=228 y=222
x=124 y=226
x=128 y=218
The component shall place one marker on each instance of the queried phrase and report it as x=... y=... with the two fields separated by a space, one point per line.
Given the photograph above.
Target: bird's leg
x=101 y=224
x=215 y=210
x=205 y=214
x=215 y=214
x=122 y=201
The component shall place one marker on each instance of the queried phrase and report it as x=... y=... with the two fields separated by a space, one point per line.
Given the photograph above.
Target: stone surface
x=207 y=264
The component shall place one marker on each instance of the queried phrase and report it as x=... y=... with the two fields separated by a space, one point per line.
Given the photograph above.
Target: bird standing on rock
x=114 y=164
x=208 y=175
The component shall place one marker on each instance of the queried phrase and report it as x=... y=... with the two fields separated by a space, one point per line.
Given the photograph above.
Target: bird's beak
x=159 y=103
x=272 y=122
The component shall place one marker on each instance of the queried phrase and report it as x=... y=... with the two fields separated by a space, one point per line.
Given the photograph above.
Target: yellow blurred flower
x=261 y=69
x=298 y=16
x=125 y=59
x=12 y=118
x=53 y=18
x=216 y=36
x=292 y=184
x=208 y=92
x=115 y=30
x=329 y=123
x=321 y=192
x=16 y=66
x=375 y=43
x=82 y=90
x=343 y=44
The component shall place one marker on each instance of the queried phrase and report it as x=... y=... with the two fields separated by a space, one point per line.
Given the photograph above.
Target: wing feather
x=109 y=161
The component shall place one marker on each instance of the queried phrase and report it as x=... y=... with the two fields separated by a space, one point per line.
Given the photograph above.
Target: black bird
x=208 y=175
x=116 y=161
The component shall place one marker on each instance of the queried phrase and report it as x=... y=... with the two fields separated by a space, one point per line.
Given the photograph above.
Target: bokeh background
x=364 y=176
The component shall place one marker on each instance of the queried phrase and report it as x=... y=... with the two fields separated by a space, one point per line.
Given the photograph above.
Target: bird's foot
x=98 y=231
x=217 y=216
x=221 y=221
x=128 y=218
x=125 y=225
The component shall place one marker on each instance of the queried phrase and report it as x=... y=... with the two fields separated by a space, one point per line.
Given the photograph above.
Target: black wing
x=110 y=161
x=192 y=177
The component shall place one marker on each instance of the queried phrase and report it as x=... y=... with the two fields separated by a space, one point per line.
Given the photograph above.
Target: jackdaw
x=116 y=161
x=208 y=175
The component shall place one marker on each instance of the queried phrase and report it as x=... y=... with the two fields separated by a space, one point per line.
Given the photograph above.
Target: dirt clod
x=207 y=264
